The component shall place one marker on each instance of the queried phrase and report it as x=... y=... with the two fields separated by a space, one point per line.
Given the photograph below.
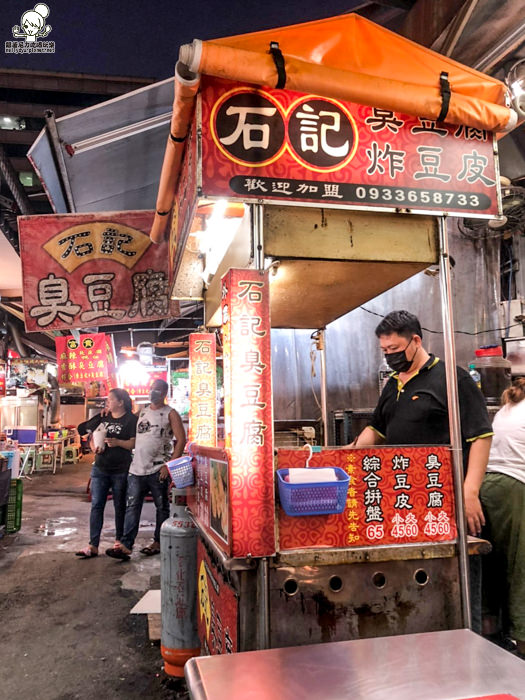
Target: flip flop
x=117 y=554
x=149 y=551
x=86 y=554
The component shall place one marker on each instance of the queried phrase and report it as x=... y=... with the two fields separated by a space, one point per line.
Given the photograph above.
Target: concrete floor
x=66 y=628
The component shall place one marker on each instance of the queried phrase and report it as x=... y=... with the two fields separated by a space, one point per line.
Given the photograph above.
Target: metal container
x=494 y=371
x=178 y=584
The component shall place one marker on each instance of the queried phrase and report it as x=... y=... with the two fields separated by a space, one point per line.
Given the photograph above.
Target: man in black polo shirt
x=412 y=409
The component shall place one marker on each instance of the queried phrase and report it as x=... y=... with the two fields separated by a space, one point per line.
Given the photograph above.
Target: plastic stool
x=71 y=454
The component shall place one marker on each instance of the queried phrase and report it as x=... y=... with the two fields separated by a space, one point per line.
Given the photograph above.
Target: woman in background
x=503 y=497
x=110 y=470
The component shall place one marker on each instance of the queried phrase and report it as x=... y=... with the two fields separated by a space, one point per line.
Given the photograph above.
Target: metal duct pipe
x=54 y=407
x=14 y=184
x=46 y=352
x=17 y=339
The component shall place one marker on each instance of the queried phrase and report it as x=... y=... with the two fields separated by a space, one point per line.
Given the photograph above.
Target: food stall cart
x=307 y=206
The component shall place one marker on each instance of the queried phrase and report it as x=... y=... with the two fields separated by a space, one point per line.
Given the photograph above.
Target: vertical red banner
x=248 y=409
x=2 y=378
x=203 y=389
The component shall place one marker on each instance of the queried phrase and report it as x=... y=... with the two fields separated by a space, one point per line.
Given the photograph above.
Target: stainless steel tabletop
x=430 y=666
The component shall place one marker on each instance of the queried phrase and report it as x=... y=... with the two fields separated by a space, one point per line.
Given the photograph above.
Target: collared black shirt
x=416 y=413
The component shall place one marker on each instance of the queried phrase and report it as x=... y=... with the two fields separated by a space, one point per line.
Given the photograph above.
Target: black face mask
x=156 y=396
x=398 y=360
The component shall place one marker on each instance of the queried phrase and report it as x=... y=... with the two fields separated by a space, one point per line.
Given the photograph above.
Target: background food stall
x=329 y=190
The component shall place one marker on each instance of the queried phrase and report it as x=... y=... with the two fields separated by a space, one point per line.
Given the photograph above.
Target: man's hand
x=112 y=442
x=474 y=513
x=164 y=473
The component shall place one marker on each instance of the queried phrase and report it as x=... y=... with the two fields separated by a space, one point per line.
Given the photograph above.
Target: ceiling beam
x=427 y=19
x=30 y=109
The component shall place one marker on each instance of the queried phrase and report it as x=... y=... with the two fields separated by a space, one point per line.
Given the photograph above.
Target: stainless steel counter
x=431 y=666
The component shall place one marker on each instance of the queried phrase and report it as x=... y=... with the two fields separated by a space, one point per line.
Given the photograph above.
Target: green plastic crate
x=13 y=521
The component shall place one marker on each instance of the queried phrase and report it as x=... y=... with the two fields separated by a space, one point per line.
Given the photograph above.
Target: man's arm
x=477 y=464
x=367 y=438
x=179 y=435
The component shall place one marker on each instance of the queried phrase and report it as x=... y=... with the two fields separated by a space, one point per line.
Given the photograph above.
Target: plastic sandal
x=86 y=554
x=150 y=550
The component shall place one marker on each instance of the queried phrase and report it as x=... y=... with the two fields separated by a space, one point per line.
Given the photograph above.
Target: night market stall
x=296 y=203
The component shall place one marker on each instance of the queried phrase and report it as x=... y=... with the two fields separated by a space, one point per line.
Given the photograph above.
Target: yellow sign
x=204 y=597
x=99 y=240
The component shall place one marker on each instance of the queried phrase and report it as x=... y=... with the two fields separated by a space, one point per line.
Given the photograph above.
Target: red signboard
x=218 y=608
x=397 y=495
x=265 y=144
x=2 y=378
x=81 y=361
x=82 y=270
x=203 y=389
x=248 y=409
x=136 y=379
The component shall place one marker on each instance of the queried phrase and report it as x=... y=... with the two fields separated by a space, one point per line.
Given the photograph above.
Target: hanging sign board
x=397 y=495
x=27 y=373
x=82 y=361
x=83 y=270
x=278 y=145
x=203 y=389
x=248 y=409
x=2 y=378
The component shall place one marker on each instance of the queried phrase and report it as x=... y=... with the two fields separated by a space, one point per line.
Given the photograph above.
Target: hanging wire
x=429 y=330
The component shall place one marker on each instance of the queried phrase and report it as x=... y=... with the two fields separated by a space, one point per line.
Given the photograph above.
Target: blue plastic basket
x=323 y=498
x=181 y=472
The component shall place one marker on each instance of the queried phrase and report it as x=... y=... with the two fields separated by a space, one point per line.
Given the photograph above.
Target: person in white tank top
x=158 y=426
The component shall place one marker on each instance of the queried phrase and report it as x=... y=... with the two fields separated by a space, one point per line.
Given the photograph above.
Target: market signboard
x=261 y=144
x=84 y=270
x=248 y=415
x=203 y=389
x=2 y=377
x=82 y=361
x=397 y=495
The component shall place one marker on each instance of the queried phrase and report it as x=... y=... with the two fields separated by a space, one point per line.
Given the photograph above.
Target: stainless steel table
x=431 y=666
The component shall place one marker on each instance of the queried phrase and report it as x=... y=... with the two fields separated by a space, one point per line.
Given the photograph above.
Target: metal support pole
x=321 y=346
x=258 y=238
x=263 y=605
x=454 y=420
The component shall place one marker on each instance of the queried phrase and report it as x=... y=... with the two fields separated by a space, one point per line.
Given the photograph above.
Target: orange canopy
x=353 y=43
x=345 y=57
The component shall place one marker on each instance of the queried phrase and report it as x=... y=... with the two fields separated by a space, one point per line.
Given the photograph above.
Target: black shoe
x=117 y=554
